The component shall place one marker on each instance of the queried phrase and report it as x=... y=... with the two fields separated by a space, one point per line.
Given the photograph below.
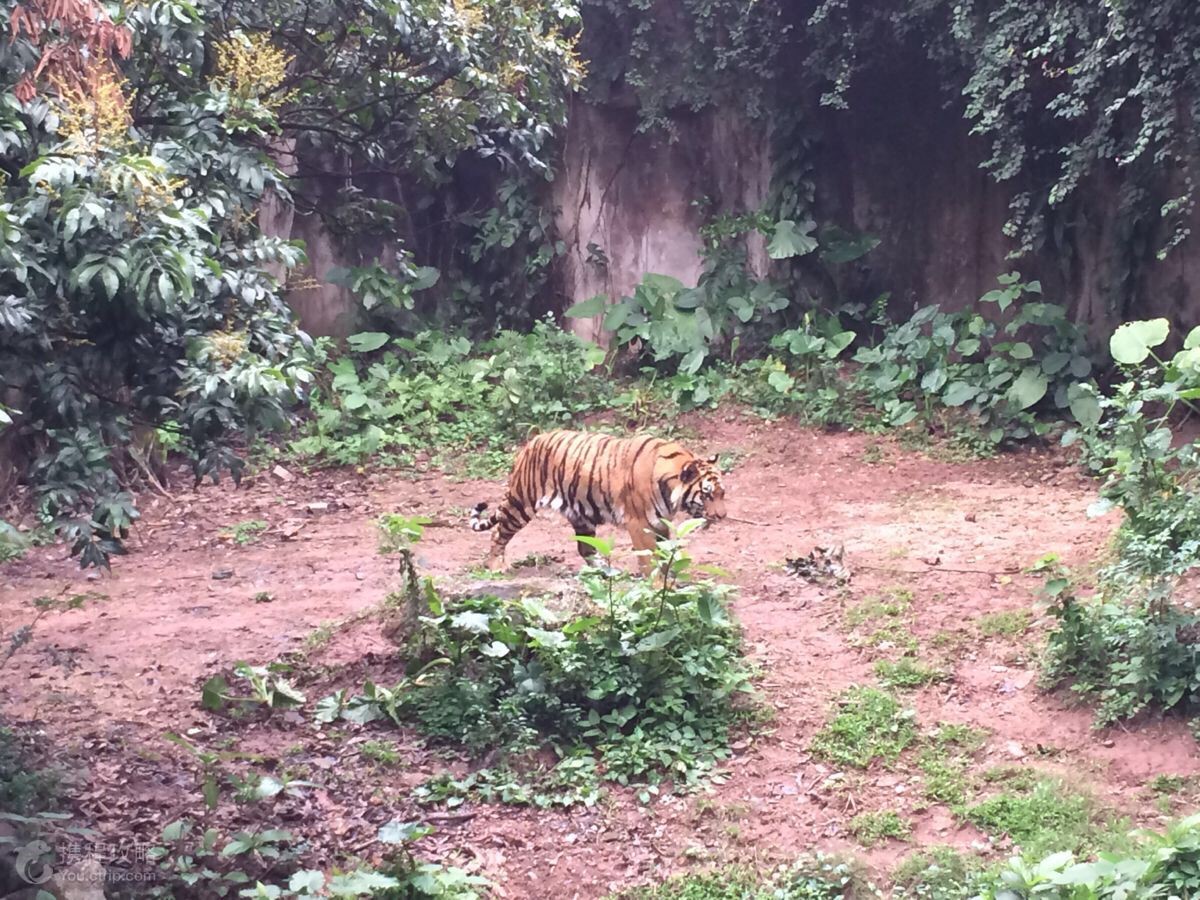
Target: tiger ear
x=713 y=459
x=690 y=471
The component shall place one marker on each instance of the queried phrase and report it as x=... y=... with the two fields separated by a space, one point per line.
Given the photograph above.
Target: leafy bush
x=817 y=877
x=447 y=394
x=992 y=375
x=1160 y=865
x=1127 y=436
x=264 y=865
x=1130 y=653
x=641 y=684
x=805 y=379
x=129 y=301
x=430 y=392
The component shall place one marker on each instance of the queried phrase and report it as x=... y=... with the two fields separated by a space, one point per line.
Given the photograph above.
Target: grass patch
x=967 y=737
x=1165 y=785
x=939 y=873
x=25 y=789
x=944 y=761
x=907 y=673
x=817 y=877
x=1015 y=778
x=1045 y=817
x=244 y=533
x=869 y=725
x=1008 y=623
x=893 y=605
x=870 y=828
x=382 y=752
x=892 y=636
x=945 y=777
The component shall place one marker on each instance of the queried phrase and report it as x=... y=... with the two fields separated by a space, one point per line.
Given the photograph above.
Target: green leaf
x=496 y=649
x=1192 y=341
x=307 y=881
x=1132 y=342
x=780 y=380
x=1053 y=363
x=657 y=640
x=791 y=240
x=108 y=278
x=1084 y=405
x=397 y=832
x=603 y=546
x=475 y=622
x=1029 y=388
x=691 y=363
x=934 y=380
x=585 y=309
x=840 y=246
x=959 y=393
x=838 y=342
x=213 y=693
x=426 y=277
x=367 y=341
x=1021 y=350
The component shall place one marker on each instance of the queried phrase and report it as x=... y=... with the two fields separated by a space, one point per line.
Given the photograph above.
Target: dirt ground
x=107 y=681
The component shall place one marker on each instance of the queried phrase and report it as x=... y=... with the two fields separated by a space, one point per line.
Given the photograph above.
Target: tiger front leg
x=645 y=538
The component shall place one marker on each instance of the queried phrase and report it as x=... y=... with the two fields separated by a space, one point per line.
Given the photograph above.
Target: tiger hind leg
x=506 y=521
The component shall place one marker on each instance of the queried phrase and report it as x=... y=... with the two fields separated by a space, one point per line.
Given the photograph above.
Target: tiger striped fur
x=594 y=479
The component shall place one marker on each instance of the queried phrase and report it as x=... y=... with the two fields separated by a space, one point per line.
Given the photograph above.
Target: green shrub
x=1159 y=866
x=1129 y=655
x=644 y=681
x=447 y=395
x=973 y=375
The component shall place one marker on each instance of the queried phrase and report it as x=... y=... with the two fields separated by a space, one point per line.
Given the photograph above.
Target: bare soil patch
x=105 y=682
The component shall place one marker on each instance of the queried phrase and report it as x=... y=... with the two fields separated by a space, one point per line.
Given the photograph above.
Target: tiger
x=595 y=479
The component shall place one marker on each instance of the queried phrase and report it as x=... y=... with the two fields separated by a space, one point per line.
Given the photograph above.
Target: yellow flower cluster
x=570 y=49
x=250 y=67
x=228 y=346
x=469 y=14
x=93 y=110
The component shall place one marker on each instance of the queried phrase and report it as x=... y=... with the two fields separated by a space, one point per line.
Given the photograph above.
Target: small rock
x=1015 y=750
x=82 y=881
x=970 y=517
x=222 y=574
x=317 y=507
x=999 y=668
x=283 y=474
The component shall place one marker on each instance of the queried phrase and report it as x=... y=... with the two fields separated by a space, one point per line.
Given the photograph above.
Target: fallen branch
x=936 y=568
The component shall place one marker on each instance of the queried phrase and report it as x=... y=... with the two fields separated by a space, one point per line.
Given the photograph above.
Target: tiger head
x=703 y=492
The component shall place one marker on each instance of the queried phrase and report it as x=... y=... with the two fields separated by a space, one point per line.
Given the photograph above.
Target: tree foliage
x=1071 y=96
x=140 y=303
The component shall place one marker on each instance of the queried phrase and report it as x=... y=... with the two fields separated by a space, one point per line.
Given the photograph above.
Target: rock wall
x=899 y=164
x=633 y=196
